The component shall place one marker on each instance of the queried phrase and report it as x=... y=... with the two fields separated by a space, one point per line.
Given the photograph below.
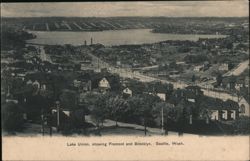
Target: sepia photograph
x=125 y=69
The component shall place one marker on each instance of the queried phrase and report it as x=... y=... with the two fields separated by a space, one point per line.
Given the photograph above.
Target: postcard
x=125 y=80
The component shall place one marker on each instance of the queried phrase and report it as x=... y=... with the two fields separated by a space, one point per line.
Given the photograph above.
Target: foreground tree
x=12 y=118
x=116 y=107
x=164 y=111
x=69 y=99
x=241 y=126
x=99 y=110
x=144 y=108
x=34 y=105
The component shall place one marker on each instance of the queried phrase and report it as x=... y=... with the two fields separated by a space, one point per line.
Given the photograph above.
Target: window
x=242 y=108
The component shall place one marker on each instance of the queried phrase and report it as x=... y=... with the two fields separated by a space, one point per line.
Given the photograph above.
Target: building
x=228 y=83
x=240 y=83
x=190 y=94
x=104 y=84
x=244 y=107
x=198 y=68
x=247 y=81
x=76 y=83
x=127 y=91
x=220 y=110
x=36 y=84
x=162 y=96
x=159 y=89
x=224 y=67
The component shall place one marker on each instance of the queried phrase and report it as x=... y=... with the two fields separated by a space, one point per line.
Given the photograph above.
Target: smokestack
x=91 y=41
x=85 y=42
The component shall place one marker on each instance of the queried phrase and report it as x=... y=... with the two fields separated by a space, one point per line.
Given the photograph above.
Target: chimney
x=91 y=41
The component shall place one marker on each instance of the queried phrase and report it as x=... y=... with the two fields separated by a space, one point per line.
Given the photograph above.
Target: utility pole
x=42 y=118
x=50 y=123
x=190 y=119
x=162 y=121
x=58 y=114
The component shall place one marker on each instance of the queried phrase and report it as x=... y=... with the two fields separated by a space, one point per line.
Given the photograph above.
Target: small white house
x=191 y=100
x=36 y=83
x=43 y=87
x=223 y=67
x=76 y=83
x=127 y=91
x=247 y=81
x=29 y=82
x=198 y=68
x=162 y=96
x=238 y=86
x=104 y=84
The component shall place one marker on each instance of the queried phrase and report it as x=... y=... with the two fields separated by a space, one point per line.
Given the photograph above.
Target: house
x=43 y=87
x=195 y=89
x=86 y=85
x=228 y=83
x=244 y=107
x=104 y=84
x=220 y=110
x=36 y=83
x=118 y=63
x=190 y=94
x=40 y=85
x=21 y=75
x=224 y=67
x=198 y=68
x=76 y=83
x=127 y=91
x=206 y=65
x=247 y=81
x=174 y=73
x=159 y=89
x=29 y=82
x=240 y=83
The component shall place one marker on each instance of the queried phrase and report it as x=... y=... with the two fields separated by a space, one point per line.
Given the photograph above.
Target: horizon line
x=125 y=17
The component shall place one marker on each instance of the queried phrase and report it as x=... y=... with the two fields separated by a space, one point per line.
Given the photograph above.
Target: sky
x=237 y=8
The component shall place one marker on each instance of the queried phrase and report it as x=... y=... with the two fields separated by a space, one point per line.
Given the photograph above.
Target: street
x=128 y=73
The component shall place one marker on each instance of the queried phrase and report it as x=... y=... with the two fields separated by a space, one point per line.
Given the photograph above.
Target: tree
x=34 y=105
x=193 y=78
x=12 y=118
x=98 y=109
x=116 y=106
x=183 y=112
x=219 y=79
x=144 y=108
x=69 y=99
x=241 y=126
x=165 y=112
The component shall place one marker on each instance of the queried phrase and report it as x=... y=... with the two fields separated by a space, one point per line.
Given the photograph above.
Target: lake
x=111 y=37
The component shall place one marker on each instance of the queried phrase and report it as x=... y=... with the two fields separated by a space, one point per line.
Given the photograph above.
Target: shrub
x=12 y=118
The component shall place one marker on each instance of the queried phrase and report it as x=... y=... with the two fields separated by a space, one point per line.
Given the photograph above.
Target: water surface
x=111 y=37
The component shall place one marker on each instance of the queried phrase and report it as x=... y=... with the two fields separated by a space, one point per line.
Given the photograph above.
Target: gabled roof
x=218 y=104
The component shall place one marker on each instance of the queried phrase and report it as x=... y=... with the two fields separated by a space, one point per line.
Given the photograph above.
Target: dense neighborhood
x=197 y=87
